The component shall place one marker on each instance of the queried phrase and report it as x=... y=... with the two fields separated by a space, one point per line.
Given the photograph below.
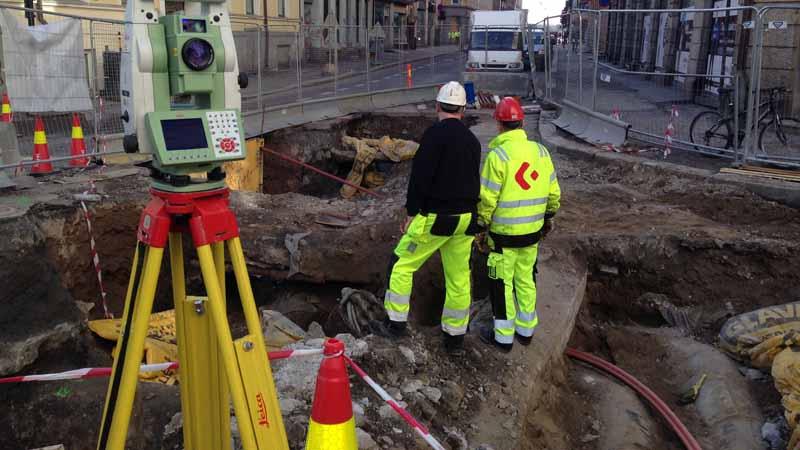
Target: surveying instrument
x=181 y=103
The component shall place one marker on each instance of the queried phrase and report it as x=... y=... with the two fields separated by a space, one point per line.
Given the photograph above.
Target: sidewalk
x=312 y=73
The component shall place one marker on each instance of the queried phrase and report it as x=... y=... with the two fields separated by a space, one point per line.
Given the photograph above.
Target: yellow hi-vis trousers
x=513 y=292
x=414 y=248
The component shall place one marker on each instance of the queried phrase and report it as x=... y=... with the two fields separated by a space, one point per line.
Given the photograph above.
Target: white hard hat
x=452 y=93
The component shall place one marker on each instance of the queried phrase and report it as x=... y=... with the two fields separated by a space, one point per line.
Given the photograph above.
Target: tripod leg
x=259 y=376
x=222 y=331
x=130 y=347
x=204 y=391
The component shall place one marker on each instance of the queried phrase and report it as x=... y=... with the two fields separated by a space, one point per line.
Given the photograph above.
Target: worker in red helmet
x=519 y=197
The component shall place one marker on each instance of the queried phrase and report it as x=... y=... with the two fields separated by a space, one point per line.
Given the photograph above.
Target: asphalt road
x=444 y=68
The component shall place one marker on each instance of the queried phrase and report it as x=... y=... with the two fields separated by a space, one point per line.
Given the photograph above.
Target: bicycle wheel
x=780 y=139
x=710 y=130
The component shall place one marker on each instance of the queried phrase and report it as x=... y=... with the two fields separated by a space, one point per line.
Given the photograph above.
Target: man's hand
x=405 y=225
x=547 y=227
x=480 y=243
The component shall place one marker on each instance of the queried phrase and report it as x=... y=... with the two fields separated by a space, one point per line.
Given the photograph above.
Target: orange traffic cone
x=40 y=150
x=332 y=425
x=5 y=110
x=409 y=80
x=78 y=145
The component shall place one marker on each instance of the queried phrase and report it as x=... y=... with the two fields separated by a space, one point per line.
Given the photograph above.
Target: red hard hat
x=509 y=110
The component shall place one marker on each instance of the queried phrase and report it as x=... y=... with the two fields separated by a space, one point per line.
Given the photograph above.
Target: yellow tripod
x=214 y=368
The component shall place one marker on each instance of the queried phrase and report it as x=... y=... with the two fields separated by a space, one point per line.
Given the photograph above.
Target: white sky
x=539 y=9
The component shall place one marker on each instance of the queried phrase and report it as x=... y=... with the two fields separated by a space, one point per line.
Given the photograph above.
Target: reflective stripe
x=525 y=331
x=455 y=313
x=397 y=299
x=553 y=177
x=397 y=316
x=489 y=184
x=542 y=151
x=503 y=324
x=503 y=339
x=526 y=317
x=521 y=203
x=454 y=331
x=517 y=220
x=501 y=154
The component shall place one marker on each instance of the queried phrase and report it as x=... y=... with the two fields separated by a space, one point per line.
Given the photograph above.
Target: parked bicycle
x=776 y=134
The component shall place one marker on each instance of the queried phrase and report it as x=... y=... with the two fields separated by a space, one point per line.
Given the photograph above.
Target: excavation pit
x=666 y=258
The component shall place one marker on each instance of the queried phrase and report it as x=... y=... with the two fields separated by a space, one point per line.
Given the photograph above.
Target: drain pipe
x=674 y=422
x=321 y=172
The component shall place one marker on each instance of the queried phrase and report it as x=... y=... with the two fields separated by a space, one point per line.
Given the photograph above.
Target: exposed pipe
x=321 y=172
x=674 y=422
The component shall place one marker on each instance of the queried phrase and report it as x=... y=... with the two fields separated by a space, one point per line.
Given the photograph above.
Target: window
x=281 y=8
x=249 y=7
x=496 y=40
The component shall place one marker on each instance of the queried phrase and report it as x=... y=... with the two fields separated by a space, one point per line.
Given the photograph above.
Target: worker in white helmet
x=443 y=193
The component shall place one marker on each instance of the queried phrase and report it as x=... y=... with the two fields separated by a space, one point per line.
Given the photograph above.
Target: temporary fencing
x=323 y=57
x=102 y=47
x=287 y=60
x=708 y=76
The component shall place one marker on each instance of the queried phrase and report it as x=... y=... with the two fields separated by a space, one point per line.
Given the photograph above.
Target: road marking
x=360 y=85
x=326 y=93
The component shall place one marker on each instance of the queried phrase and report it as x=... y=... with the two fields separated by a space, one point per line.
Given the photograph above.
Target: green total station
x=180 y=94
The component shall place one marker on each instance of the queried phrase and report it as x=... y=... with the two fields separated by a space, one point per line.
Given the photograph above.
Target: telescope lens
x=197 y=54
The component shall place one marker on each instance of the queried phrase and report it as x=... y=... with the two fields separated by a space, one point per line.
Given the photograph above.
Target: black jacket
x=445 y=175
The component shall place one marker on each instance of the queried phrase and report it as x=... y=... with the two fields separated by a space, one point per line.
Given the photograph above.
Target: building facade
x=713 y=44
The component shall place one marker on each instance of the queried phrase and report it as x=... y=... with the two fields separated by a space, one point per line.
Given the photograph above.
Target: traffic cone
x=40 y=150
x=409 y=79
x=78 y=145
x=5 y=110
x=332 y=425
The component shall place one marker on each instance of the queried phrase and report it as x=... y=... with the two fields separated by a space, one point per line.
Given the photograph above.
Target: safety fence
x=717 y=81
x=303 y=62
x=97 y=70
x=287 y=62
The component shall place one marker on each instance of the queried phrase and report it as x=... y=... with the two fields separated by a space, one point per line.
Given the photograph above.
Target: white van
x=498 y=42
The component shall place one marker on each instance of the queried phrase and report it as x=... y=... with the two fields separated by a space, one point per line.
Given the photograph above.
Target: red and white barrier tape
x=95 y=257
x=99 y=372
x=418 y=427
x=670 y=131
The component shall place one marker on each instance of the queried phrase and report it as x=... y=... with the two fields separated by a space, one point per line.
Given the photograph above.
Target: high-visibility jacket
x=519 y=189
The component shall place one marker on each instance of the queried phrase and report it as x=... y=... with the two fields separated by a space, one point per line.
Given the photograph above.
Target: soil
x=653 y=241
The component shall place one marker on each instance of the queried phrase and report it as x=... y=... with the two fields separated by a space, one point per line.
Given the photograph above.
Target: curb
x=784 y=192
x=345 y=76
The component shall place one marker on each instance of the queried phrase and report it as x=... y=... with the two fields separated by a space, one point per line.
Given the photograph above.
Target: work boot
x=487 y=336
x=523 y=340
x=454 y=345
x=390 y=329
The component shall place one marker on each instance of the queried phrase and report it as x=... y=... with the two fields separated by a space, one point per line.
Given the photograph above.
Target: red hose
x=321 y=172
x=674 y=422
